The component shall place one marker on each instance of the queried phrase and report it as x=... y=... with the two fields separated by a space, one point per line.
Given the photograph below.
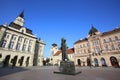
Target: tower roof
x=22 y=14
x=54 y=44
x=92 y=30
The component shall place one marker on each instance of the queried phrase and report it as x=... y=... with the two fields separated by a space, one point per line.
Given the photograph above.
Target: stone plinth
x=67 y=67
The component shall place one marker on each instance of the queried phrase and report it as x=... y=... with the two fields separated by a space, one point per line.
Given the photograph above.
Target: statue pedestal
x=67 y=67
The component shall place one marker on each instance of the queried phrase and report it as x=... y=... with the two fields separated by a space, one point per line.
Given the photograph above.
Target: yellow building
x=18 y=45
x=98 y=49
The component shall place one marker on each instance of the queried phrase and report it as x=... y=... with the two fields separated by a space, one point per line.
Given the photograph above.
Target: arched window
x=103 y=62
x=22 y=30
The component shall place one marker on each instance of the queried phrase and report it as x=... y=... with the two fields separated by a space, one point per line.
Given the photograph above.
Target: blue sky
x=51 y=20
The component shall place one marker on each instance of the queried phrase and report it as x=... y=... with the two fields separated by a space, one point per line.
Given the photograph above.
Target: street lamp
x=90 y=58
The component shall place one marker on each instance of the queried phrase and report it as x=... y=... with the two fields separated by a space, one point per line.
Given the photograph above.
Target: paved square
x=46 y=73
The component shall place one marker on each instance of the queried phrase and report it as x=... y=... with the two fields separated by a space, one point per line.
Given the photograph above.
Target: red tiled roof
x=57 y=53
x=112 y=31
x=70 y=51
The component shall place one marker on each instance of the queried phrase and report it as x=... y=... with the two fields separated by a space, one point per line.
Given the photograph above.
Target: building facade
x=17 y=44
x=98 y=49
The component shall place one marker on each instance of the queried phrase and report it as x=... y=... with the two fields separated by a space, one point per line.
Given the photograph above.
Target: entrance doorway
x=88 y=62
x=6 y=61
x=114 y=61
x=79 y=62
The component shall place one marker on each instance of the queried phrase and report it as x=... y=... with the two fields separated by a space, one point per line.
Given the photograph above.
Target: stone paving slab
x=46 y=73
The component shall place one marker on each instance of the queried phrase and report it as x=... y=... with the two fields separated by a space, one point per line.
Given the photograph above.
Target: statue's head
x=63 y=40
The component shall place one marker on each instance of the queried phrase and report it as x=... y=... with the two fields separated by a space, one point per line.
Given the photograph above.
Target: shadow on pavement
x=8 y=70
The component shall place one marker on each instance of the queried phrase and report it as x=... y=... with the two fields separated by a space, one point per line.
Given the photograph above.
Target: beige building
x=56 y=55
x=17 y=44
x=98 y=49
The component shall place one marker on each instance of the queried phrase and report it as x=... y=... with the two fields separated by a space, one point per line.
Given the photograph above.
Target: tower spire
x=22 y=14
x=92 y=30
x=20 y=19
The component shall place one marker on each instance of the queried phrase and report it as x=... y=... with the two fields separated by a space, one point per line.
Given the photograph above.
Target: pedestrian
x=13 y=64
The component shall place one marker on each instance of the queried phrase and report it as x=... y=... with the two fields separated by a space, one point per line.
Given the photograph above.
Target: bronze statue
x=64 y=50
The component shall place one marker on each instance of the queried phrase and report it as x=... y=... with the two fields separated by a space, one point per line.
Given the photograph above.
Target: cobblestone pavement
x=46 y=73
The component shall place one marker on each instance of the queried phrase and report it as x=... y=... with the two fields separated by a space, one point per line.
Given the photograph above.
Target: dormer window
x=22 y=31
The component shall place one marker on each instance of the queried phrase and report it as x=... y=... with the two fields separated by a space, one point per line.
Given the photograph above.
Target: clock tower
x=20 y=19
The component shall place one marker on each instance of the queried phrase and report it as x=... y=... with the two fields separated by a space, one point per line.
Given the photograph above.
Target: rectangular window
x=11 y=45
x=26 y=41
x=106 y=48
x=18 y=46
x=4 y=44
x=97 y=50
x=29 y=48
x=24 y=48
x=113 y=48
x=30 y=42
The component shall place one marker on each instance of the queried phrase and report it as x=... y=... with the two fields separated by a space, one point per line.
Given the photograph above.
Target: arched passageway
x=27 y=61
x=96 y=62
x=6 y=61
x=21 y=60
x=114 y=61
x=15 y=60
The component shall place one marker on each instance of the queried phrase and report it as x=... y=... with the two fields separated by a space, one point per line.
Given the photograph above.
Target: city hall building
x=18 y=45
x=98 y=49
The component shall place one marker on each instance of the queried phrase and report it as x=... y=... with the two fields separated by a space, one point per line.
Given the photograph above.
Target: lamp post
x=90 y=57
